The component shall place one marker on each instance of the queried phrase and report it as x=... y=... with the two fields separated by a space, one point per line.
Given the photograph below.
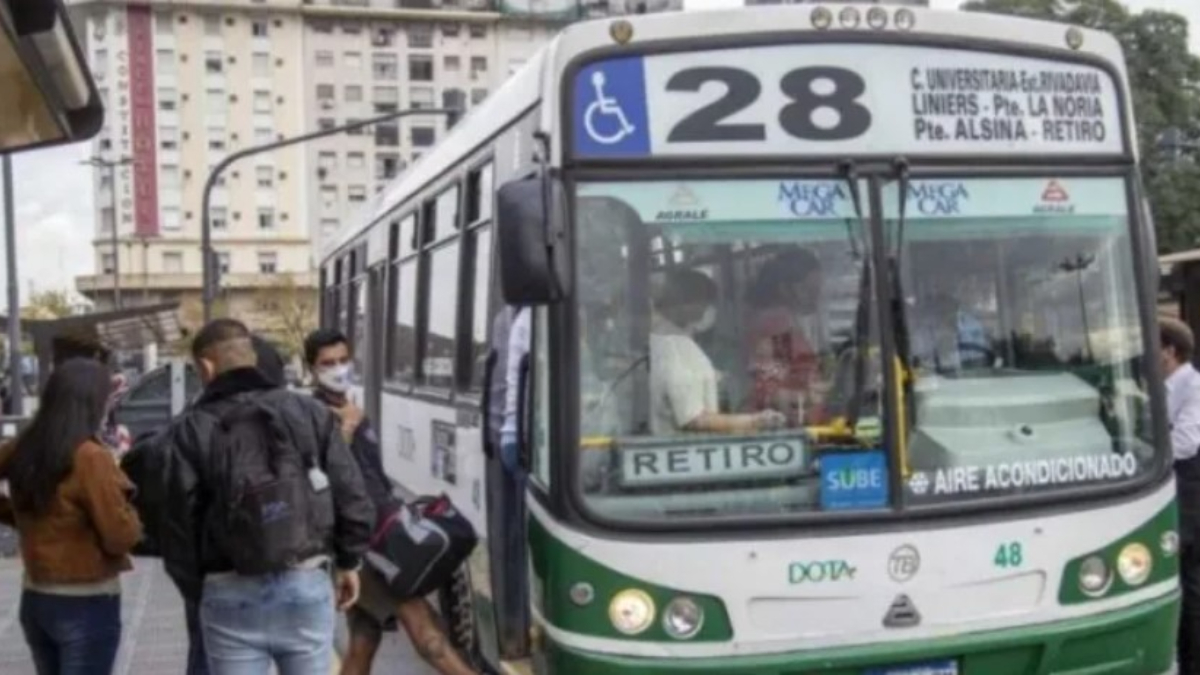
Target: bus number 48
x=824 y=105
x=1009 y=555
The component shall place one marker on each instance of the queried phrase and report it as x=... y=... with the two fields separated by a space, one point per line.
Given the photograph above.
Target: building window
x=262 y=101
x=107 y=263
x=108 y=218
x=212 y=25
x=324 y=59
x=213 y=64
x=261 y=64
x=100 y=63
x=215 y=101
x=454 y=99
x=323 y=27
x=258 y=28
x=327 y=161
x=216 y=138
x=384 y=66
x=263 y=136
x=381 y=37
x=451 y=29
x=420 y=68
x=420 y=35
x=268 y=262
x=352 y=60
x=422 y=137
x=452 y=64
x=386 y=96
x=166 y=98
x=479 y=66
x=265 y=176
x=328 y=226
x=169 y=218
x=387 y=135
x=163 y=25
x=386 y=165
x=328 y=197
x=356 y=160
x=223 y=262
x=266 y=219
x=169 y=175
x=172 y=262
x=325 y=92
x=355 y=131
x=354 y=93
x=478 y=30
x=164 y=62
x=326 y=123
x=218 y=217
x=356 y=193
x=478 y=95
x=421 y=97
x=168 y=138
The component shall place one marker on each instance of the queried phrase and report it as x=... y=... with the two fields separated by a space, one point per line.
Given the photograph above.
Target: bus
x=843 y=348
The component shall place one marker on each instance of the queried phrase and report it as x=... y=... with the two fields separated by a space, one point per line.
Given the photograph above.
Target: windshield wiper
x=862 y=318
x=899 y=307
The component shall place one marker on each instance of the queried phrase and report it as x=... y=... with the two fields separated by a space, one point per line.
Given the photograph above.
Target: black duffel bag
x=419 y=545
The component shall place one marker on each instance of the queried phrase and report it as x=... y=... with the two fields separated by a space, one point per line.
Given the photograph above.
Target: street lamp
x=208 y=255
x=108 y=166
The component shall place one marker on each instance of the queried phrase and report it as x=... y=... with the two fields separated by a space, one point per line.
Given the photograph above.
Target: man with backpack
x=327 y=355
x=260 y=499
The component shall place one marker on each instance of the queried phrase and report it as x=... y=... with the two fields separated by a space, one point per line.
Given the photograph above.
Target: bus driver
x=683 y=382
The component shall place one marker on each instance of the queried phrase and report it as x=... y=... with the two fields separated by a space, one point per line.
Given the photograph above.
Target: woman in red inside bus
x=783 y=329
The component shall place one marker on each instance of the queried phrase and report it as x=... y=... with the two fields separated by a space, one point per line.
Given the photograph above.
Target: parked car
x=147 y=406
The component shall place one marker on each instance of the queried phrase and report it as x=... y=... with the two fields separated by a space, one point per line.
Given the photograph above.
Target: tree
x=47 y=305
x=1165 y=80
x=290 y=313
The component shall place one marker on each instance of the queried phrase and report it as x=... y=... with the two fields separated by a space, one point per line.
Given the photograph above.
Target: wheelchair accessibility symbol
x=606 y=111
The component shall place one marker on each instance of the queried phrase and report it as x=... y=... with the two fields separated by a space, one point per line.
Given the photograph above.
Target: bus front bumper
x=1138 y=640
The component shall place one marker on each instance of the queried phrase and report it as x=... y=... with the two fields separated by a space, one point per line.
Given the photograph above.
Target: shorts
x=375 y=611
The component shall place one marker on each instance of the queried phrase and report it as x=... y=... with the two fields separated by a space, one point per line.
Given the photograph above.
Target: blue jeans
x=513 y=538
x=197 y=662
x=72 y=635
x=251 y=622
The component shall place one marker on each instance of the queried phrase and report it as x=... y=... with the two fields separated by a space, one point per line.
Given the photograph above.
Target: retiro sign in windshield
x=855 y=99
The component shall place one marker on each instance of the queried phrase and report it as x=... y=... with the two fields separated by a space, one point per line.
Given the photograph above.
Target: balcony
x=90 y=285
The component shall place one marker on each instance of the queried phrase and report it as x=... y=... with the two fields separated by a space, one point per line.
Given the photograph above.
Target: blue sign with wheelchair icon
x=610 y=115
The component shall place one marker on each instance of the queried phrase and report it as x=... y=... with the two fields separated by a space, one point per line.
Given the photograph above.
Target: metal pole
x=207 y=254
x=16 y=383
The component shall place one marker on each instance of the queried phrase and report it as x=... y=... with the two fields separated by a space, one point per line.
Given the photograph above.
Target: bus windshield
x=720 y=319
x=727 y=325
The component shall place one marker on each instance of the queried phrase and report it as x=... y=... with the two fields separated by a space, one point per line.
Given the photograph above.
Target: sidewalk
x=155 y=638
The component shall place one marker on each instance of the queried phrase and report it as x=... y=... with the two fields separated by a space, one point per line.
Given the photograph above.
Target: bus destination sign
x=844 y=100
x=711 y=459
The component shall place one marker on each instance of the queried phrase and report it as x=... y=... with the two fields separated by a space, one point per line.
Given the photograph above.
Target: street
x=154 y=640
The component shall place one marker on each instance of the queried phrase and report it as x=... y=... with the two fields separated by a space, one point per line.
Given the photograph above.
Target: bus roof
x=540 y=76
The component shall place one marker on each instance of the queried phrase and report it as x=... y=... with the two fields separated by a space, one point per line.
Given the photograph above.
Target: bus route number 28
x=824 y=105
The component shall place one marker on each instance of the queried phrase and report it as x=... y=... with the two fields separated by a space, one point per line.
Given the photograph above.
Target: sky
x=53 y=192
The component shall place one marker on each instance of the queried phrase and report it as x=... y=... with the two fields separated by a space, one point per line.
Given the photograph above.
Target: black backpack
x=273 y=505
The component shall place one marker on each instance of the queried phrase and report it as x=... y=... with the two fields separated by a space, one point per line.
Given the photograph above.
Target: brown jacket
x=90 y=527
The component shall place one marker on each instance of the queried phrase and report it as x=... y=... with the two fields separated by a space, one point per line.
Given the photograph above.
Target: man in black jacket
x=287 y=617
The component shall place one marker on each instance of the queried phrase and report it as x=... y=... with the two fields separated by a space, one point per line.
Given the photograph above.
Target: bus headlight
x=1093 y=576
x=631 y=611
x=1134 y=564
x=683 y=618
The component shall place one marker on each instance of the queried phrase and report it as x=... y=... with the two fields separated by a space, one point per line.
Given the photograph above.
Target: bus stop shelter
x=118 y=330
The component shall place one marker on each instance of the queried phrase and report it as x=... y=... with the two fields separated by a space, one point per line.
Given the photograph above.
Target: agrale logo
x=685 y=206
x=1055 y=199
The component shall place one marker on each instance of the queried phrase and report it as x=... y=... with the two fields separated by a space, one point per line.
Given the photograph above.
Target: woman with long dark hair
x=70 y=503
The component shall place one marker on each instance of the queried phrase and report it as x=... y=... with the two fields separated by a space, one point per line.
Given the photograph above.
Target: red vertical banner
x=144 y=128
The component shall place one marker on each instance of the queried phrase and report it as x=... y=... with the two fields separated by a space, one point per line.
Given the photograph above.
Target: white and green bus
x=922 y=238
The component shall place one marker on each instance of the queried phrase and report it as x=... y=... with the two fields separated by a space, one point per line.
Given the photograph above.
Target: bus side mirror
x=531 y=216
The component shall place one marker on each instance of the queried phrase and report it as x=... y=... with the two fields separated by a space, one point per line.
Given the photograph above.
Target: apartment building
x=185 y=84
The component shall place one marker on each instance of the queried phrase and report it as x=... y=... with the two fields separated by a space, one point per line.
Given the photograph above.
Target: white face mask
x=706 y=322
x=336 y=378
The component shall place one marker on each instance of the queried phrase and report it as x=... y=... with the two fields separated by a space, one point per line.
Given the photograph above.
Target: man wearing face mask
x=683 y=381
x=327 y=354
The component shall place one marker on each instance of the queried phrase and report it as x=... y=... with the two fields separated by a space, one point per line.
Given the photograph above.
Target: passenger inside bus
x=785 y=335
x=683 y=382
x=946 y=337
